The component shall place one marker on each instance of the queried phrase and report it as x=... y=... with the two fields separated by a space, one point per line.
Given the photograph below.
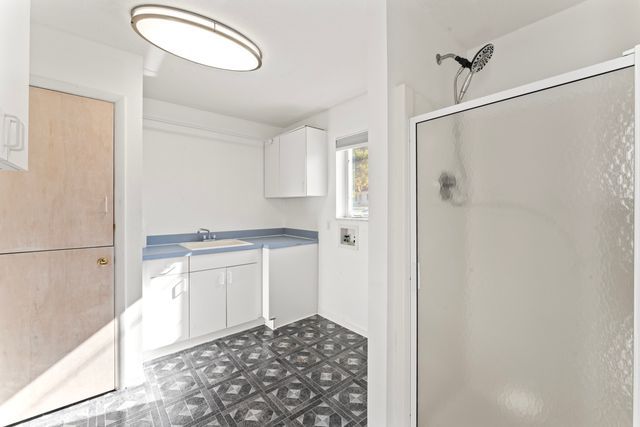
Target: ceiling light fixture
x=195 y=38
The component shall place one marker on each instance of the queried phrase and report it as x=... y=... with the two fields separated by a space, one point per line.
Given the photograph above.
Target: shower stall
x=523 y=238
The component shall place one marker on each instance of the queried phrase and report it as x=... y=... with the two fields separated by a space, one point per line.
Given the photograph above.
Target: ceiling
x=474 y=22
x=314 y=50
x=314 y=53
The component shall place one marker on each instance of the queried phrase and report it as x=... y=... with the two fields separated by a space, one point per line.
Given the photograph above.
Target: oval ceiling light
x=196 y=38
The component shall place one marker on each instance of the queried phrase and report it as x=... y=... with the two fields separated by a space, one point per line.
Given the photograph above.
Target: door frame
x=626 y=61
x=119 y=137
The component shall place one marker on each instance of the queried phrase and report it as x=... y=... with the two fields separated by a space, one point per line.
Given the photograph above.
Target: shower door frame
x=628 y=60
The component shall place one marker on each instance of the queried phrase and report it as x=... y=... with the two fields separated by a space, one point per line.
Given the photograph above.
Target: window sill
x=348 y=218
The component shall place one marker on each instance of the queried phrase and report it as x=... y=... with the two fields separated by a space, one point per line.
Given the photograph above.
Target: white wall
x=65 y=62
x=378 y=112
x=416 y=84
x=203 y=170
x=343 y=286
x=586 y=34
x=403 y=81
x=206 y=170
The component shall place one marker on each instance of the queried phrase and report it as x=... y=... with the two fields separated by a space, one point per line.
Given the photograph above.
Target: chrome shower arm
x=459 y=59
x=440 y=58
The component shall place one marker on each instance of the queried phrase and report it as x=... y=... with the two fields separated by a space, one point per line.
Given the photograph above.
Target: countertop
x=276 y=241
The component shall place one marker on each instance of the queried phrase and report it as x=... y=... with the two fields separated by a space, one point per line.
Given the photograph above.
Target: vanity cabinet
x=195 y=296
x=165 y=302
x=224 y=297
x=208 y=302
x=14 y=83
x=295 y=164
x=290 y=277
x=244 y=294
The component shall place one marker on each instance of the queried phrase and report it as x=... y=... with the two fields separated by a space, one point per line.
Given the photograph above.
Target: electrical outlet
x=349 y=237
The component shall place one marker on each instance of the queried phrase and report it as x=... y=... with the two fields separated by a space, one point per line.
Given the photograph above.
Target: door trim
x=125 y=355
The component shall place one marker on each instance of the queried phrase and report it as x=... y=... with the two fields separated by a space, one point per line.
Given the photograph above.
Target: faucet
x=206 y=234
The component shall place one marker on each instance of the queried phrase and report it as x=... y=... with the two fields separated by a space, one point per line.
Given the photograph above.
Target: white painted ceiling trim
x=198 y=131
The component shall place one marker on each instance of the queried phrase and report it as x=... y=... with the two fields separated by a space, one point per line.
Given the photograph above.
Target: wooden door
x=57 y=320
x=244 y=294
x=65 y=199
x=57 y=330
x=293 y=165
x=208 y=297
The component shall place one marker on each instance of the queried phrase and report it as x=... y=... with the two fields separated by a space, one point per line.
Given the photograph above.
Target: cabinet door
x=293 y=165
x=68 y=190
x=293 y=283
x=14 y=83
x=57 y=330
x=272 y=167
x=208 y=296
x=244 y=294
x=165 y=318
x=316 y=162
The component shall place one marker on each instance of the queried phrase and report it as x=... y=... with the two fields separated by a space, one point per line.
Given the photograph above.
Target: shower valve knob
x=447 y=182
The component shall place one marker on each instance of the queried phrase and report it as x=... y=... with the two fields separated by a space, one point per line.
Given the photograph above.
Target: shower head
x=481 y=59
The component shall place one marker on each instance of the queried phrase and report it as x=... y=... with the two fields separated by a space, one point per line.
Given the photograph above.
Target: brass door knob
x=103 y=261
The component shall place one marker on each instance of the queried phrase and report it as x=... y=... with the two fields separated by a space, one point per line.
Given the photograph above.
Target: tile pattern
x=312 y=372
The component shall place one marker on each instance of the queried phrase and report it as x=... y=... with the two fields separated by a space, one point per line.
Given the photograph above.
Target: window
x=352 y=177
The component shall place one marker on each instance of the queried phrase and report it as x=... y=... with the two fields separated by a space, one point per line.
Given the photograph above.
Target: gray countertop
x=275 y=241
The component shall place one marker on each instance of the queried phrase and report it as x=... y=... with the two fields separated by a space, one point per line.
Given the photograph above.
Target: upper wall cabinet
x=272 y=167
x=295 y=164
x=14 y=83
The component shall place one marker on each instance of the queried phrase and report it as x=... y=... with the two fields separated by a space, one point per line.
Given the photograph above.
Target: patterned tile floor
x=310 y=373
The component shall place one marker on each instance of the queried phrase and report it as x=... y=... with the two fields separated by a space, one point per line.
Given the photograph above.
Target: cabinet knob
x=103 y=261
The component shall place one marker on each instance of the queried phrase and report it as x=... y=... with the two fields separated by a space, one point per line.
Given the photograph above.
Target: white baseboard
x=342 y=320
x=279 y=323
x=192 y=342
x=183 y=345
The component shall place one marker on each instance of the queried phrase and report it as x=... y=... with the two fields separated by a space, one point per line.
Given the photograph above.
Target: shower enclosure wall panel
x=525 y=308
x=446 y=303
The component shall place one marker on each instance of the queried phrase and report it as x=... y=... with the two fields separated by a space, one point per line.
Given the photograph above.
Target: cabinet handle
x=103 y=261
x=229 y=277
x=11 y=121
x=178 y=289
x=221 y=279
x=106 y=204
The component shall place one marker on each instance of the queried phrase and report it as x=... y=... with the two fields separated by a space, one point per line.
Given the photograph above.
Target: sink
x=214 y=244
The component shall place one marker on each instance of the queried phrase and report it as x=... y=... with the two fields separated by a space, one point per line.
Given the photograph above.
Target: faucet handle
x=205 y=232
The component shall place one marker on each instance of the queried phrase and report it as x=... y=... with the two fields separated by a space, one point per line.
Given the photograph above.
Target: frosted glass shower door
x=525 y=246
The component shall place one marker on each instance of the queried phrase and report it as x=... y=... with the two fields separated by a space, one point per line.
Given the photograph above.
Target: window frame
x=344 y=181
